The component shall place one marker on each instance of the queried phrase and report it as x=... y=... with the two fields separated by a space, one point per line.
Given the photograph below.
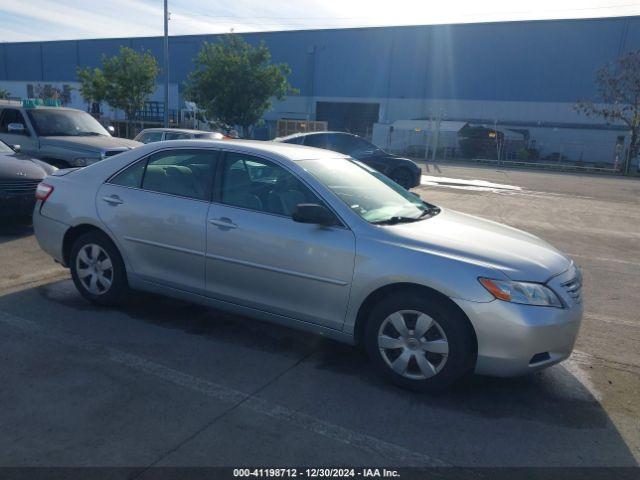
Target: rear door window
x=149 y=137
x=176 y=135
x=184 y=173
x=130 y=176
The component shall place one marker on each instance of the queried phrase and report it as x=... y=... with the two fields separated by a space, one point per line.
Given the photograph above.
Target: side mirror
x=313 y=213
x=111 y=130
x=17 y=128
x=16 y=148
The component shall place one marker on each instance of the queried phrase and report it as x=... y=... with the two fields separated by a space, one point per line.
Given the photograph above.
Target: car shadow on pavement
x=555 y=400
x=539 y=396
x=11 y=229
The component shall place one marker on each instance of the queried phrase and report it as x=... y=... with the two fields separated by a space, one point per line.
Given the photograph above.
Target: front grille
x=111 y=153
x=18 y=187
x=574 y=288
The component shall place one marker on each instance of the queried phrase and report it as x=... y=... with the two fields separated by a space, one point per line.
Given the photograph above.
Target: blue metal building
x=524 y=75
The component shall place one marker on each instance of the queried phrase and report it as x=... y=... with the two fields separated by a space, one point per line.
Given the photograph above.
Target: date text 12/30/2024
x=315 y=473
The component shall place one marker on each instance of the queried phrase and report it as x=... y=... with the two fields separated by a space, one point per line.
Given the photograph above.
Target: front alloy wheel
x=413 y=344
x=419 y=340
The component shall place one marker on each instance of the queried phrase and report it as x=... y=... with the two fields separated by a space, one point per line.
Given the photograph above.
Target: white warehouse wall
x=593 y=142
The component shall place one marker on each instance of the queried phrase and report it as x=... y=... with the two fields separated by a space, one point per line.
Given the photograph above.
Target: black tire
x=118 y=288
x=403 y=177
x=452 y=322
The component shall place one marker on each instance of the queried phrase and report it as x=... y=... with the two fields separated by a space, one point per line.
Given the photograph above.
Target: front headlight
x=83 y=162
x=521 y=292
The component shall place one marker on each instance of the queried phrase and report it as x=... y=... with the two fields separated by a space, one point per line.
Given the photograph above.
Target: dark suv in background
x=401 y=170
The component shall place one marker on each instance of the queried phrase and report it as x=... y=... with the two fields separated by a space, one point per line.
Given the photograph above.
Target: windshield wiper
x=395 y=220
x=400 y=219
x=88 y=134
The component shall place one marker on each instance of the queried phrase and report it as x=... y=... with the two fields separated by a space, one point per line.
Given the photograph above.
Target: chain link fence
x=551 y=147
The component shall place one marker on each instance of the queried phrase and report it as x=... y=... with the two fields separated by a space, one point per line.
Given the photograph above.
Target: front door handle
x=223 y=222
x=112 y=200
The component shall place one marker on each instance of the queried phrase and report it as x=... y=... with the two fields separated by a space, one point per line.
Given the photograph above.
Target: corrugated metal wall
x=541 y=61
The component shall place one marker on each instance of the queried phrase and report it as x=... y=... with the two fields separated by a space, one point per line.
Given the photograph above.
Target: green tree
x=618 y=99
x=125 y=81
x=235 y=82
x=92 y=84
x=4 y=93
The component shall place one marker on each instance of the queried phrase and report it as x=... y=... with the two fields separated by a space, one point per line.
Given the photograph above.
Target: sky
x=32 y=20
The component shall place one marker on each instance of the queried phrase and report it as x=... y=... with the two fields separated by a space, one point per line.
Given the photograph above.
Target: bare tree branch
x=619 y=98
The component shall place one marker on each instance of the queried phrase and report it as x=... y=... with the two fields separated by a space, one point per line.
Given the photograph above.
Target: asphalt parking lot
x=161 y=382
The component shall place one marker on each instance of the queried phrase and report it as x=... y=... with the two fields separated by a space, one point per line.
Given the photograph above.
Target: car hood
x=16 y=167
x=395 y=159
x=90 y=144
x=518 y=254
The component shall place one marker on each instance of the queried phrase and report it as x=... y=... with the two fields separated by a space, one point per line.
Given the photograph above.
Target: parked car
x=315 y=240
x=401 y=170
x=149 y=135
x=64 y=137
x=19 y=177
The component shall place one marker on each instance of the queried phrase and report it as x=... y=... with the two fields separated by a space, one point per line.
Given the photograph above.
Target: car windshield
x=65 y=123
x=367 y=192
x=4 y=148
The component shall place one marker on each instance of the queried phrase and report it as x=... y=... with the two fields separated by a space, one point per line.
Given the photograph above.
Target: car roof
x=284 y=150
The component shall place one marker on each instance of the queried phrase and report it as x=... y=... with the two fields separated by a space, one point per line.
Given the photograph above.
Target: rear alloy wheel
x=97 y=269
x=419 y=341
x=402 y=177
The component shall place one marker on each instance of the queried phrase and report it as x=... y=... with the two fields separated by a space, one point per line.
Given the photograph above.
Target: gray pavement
x=162 y=382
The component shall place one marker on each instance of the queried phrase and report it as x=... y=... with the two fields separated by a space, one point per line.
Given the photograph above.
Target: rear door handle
x=112 y=200
x=223 y=222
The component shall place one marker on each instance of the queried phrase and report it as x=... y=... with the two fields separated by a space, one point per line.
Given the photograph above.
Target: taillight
x=43 y=191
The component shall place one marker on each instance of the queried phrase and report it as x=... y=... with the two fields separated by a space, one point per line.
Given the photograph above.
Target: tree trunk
x=632 y=150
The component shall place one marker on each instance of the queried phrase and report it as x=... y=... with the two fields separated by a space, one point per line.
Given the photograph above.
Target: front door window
x=256 y=184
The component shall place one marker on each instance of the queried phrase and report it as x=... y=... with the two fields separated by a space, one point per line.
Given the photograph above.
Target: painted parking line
x=589 y=360
x=375 y=446
x=475 y=185
x=605 y=259
x=28 y=281
x=464 y=184
x=612 y=320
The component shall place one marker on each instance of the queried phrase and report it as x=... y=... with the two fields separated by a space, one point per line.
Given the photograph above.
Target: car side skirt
x=136 y=282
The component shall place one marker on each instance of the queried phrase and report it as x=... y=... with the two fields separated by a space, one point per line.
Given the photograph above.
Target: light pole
x=166 y=64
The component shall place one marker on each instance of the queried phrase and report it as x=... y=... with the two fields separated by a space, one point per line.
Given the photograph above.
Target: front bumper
x=518 y=339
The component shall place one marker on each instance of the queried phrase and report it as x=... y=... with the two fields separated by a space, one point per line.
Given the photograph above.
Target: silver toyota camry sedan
x=311 y=239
